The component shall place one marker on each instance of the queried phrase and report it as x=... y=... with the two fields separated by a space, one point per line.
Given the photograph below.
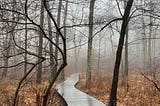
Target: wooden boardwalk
x=75 y=97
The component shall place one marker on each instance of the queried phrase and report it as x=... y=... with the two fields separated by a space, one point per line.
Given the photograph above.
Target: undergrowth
x=140 y=92
x=29 y=95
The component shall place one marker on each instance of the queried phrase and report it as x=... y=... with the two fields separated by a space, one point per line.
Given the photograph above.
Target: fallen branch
x=153 y=82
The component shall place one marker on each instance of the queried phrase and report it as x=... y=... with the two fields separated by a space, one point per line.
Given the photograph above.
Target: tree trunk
x=89 y=52
x=39 y=69
x=25 y=56
x=99 y=55
x=52 y=63
x=6 y=54
x=4 y=73
x=113 y=94
x=65 y=32
x=125 y=83
x=150 y=42
x=8 y=43
x=144 y=42
x=54 y=70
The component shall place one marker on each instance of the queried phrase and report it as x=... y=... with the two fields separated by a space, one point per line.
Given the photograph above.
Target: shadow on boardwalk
x=75 y=97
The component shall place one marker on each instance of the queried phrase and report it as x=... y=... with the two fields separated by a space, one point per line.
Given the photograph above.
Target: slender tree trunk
x=5 y=58
x=99 y=55
x=25 y=56
x=126 y=61
x=126 y=54
x=125 y=72
x=52 y=63
x=150 y=42
x=5 y=70
x=65 y=33
x=8 y=43
x=144 y=41
x=113 y=94
x=57 y=39
x=75 y=53
x=40 y=49
x=149 y=39
x=89 y=51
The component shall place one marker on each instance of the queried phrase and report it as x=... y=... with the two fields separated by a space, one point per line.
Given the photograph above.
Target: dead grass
x=141 y=92
x=28 y=94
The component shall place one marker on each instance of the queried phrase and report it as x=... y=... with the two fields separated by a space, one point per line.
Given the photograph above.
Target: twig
x=153 y=82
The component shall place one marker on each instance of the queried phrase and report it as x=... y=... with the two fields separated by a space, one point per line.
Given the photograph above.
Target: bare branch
x=21 y=81
x=119 y=8
x=16 y=64
x=41 y=29
x=153 y=82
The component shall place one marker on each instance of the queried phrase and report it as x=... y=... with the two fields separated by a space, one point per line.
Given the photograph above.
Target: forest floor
x=30 y=94
x=141 y=92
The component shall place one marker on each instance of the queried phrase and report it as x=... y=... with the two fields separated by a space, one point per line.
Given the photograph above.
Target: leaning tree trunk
x=62 y=51
x=113 y=94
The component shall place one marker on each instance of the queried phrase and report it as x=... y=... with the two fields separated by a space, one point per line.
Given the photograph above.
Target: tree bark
x=8 y=43
x=25 y=56
x=54 y=70
x=40 y=49
x=89 y=51
x=51 y=54
x=4 y=73
x=150 y=40
x=144 y=42
x=65 y=33
x=125 y=79
x=113 y=94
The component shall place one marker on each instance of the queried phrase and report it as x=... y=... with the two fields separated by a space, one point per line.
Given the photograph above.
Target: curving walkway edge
x=75 y=97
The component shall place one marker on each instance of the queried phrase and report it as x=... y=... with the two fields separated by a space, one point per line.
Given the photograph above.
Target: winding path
x=75 y=97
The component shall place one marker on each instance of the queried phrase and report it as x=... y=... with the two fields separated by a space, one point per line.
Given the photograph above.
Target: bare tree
x=6 y=55
x=144 y=41
x=40 y=48
x=65 y=33
x=125 y=79
x=113 y=94
x=25 y=56
x=53 y=71
x=89 y=51
x=8 y=41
